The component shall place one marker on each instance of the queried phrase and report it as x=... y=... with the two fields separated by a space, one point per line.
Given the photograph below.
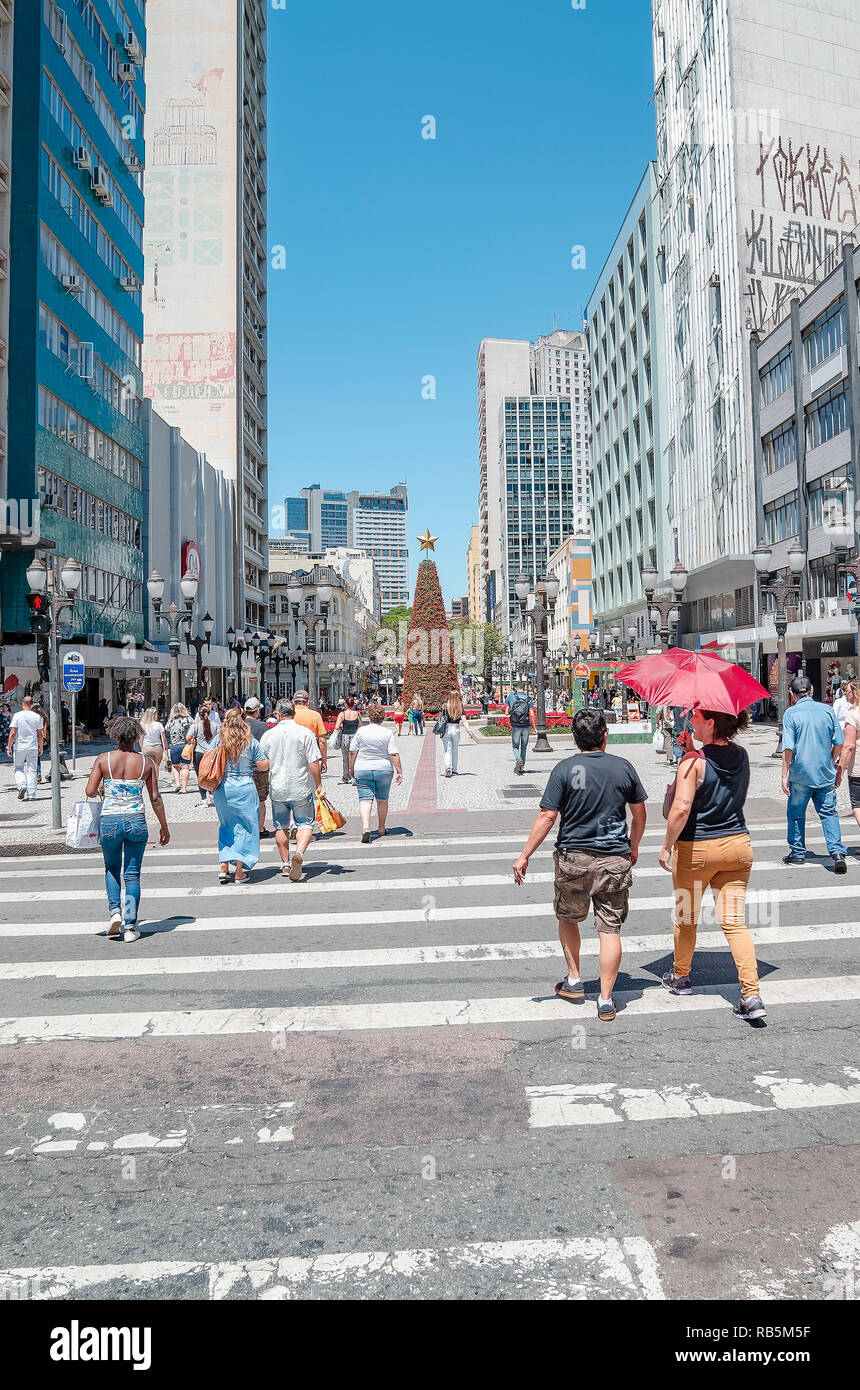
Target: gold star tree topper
x=428 y=542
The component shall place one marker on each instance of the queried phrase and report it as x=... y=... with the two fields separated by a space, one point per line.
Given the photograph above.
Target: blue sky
x=402 y=253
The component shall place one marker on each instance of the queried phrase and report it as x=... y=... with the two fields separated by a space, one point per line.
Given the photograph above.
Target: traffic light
x=40 y=613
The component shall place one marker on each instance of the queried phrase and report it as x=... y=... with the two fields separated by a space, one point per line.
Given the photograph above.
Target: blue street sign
x=73 y=672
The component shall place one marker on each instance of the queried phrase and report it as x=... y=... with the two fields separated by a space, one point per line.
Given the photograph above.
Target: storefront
x=826 y=658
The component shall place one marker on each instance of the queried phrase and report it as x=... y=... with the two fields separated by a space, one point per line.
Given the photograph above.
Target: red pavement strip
x=424 y=796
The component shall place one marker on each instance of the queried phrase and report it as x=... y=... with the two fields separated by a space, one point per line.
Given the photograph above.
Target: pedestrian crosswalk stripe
x=157 y=863
x=190 y=1126
x=603 y=1266
x=608 y=1103
x=423 y=1013
x=132 y=963
x=258 y=887
x=764 y=905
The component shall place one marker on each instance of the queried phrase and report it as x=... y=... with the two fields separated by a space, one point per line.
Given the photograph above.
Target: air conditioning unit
x=836 y=483
x=133 y=162
x=72 y=284
x=127 y=72
x=98 y=183
x=130 y=283
x=95 y=639
x=82 y=157
x=133 y=48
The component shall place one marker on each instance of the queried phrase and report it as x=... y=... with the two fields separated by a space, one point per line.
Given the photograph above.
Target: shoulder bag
x=213 y=765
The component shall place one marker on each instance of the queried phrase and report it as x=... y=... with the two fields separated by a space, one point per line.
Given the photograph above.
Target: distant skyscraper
x=324 y=515
x=206 y=256
x=554 y=366
x=379 y=525
x=473 y=572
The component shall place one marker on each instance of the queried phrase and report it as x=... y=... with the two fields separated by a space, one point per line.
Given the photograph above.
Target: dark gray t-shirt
x=258 y=727
x=591 y=792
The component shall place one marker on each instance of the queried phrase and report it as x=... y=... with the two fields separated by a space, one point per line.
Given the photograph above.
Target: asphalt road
x=363 y=1084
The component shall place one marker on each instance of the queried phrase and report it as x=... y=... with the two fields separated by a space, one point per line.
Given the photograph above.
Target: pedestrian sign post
x=73 y=681
x=581 y=673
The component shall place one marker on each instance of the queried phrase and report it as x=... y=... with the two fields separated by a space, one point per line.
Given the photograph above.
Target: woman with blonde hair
x=236 y=799
x=176 y=728
x=153 y=740
x=454 y=720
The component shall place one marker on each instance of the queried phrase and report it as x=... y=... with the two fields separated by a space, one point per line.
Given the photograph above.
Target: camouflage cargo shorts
x=601 y=880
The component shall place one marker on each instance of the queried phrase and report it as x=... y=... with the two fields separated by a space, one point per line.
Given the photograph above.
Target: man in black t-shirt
x=595 y=851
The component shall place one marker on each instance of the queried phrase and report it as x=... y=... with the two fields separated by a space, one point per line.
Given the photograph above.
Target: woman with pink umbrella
x=707 y=844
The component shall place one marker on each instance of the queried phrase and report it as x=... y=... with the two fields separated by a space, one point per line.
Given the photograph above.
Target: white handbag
x=82 y=830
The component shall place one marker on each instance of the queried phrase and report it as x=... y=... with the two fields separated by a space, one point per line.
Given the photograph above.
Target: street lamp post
x=785 y=596
x=277 y=658
x=312 y=620
x=264 y=649
x=545 y=595
x=70 y=578
x=174 y=619
x=198 y=643
x=237 y=644
x=663 y=610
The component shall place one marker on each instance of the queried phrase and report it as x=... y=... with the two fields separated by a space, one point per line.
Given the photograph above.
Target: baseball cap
x=252 y=703
x=301 y=696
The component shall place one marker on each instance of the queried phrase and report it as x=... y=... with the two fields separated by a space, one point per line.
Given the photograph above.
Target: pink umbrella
x=684 y=678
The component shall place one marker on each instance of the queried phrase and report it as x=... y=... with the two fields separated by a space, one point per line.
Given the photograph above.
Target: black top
x=258 y=727
x=592 y=791
x=350 y=717
x=718 y=806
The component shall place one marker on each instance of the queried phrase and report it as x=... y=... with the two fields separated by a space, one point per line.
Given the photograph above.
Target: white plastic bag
x=658 y=742
x=82 y=830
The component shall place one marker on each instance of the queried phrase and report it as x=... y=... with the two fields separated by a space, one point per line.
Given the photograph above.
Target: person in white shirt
x=843 y=703
x=373 y=760
x=26 y=741
x=294 y=772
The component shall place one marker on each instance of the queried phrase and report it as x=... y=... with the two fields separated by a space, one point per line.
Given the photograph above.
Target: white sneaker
x=115 y=928
x=210 y=800
x=131 y=934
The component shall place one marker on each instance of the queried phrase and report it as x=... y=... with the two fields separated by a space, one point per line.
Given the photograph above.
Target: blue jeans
x=824 y=801
x=520 y=742
x=126 y=834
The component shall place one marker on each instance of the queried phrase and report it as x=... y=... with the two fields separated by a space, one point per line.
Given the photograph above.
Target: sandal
x=223 y=878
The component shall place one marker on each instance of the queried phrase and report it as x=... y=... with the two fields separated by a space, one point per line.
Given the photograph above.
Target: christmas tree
x=430 y=669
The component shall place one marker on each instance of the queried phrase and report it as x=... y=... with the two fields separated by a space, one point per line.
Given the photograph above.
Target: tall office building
x=629 y=522
x=555 y=365
x=206 y=260
x=758 y=146
x=473 y=573
x=546 y=494
x=75 y=319
x=321 y=514
x=379 y=525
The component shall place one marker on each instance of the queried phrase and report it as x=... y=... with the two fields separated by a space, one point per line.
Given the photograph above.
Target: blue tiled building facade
x=76 y=321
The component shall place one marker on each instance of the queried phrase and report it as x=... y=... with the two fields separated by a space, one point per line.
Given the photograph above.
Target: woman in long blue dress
x=236 y=799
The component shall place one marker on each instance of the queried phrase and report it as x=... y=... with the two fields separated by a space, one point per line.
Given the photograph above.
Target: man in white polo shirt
x=26 y=740
x=294 y=771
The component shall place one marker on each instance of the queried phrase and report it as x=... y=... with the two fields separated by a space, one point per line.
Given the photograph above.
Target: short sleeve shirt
x=27 y=724
x=373 y=744
x=290 y=749
x=591 y=792
x=310 y=719
x=811 y=730
x=853 y=719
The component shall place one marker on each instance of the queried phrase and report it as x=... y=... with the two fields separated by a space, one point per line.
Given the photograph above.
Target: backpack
x=520 y=712
x=213 y=765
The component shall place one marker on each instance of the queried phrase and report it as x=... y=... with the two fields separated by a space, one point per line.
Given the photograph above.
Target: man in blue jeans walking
x=811 y=739
x=520 y=707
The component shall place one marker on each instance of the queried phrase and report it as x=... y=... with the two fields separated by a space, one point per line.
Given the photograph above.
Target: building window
x=825 y=337
x=779 y=448
x=777 y=377
x=780 y=518
x=829 y=416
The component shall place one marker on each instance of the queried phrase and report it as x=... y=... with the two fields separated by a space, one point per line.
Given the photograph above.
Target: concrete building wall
x=503 y=370
x=473 y=572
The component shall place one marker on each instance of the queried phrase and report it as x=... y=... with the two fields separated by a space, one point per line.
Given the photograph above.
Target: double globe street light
x=312 y=618
x=664 y=611
x=174 y=619
x=539 y=614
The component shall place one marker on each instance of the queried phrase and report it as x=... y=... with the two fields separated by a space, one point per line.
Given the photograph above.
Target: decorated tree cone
x=430 y=668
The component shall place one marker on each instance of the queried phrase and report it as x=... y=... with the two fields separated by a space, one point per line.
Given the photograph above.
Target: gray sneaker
x=606 y=1012
x=750 y=1008
x=677 y=984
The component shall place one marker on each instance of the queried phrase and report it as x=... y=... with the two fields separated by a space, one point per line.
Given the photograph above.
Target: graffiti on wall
x=809 y=201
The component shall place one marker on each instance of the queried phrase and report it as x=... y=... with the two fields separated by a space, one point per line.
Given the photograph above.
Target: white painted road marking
x=132 y=964
x=608 y=1103
x=260 y=1123
x=425 y=1013
x=603 y=1267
